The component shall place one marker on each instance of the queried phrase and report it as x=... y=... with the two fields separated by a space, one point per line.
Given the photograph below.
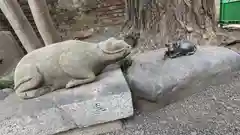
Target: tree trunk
x=169 y=20
x=20 y=24
x=43 y=21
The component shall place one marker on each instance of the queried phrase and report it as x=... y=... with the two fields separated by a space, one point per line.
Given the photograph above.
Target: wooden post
x=20 y=24
x=43 y=21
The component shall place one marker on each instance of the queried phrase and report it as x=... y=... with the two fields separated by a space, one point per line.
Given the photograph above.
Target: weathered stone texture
x=108 y=99
x=154 y=79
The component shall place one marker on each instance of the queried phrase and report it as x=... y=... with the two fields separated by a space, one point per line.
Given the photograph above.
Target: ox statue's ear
x=112 y=45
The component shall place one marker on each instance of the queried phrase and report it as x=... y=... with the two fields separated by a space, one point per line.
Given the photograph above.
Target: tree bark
x=169 y=20
x=20 y=24
x=43 y=21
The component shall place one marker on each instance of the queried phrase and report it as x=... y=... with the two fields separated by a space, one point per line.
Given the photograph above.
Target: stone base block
x=105 y=100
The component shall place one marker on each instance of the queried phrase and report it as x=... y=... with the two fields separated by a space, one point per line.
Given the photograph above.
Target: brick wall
x=110 y=12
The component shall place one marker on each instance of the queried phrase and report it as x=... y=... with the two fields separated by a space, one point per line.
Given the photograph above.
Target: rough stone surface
x=107 y=99
x=3 y=95
x=154 y=79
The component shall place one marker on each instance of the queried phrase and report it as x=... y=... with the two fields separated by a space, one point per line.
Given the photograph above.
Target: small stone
x=214 y=98
x=205 y=36
x=106 y=29
x=189 y=29
x=194 y=133
x=80 y=35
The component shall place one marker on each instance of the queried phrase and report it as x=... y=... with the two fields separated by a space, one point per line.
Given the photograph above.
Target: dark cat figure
x=180 y=48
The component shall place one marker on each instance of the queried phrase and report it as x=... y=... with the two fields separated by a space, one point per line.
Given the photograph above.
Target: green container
x=229 y=12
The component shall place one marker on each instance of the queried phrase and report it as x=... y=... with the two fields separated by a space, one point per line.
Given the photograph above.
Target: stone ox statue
x=65 y=65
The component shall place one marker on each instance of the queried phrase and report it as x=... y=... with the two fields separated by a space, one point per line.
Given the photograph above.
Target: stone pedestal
x=105 y=100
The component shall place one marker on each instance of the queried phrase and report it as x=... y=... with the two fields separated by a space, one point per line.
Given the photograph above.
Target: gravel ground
x=215 y=111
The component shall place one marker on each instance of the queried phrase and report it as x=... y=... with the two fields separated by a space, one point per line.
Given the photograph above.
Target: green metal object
x=6 y=84
x=7 y=81
x=229 y=12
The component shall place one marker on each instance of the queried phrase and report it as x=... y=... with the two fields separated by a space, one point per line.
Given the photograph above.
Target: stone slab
x=107 y=99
